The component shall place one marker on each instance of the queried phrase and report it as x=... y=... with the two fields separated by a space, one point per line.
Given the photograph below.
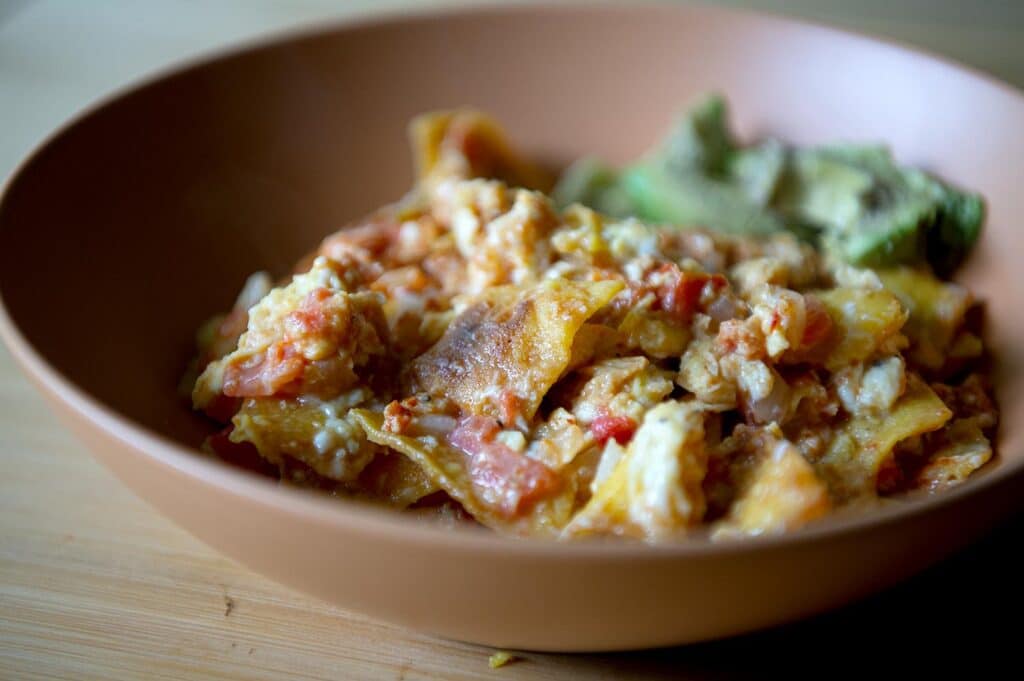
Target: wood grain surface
x=95 y=585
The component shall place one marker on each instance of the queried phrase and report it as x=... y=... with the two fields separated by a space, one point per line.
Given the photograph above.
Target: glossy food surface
x=471 y=350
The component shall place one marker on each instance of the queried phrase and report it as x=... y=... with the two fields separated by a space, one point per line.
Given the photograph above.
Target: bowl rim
x=357 y=517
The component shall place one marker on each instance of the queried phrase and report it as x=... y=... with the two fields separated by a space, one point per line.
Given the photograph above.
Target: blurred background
x=56 y=56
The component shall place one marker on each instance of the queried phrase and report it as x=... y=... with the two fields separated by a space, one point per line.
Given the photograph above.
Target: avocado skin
x=956 y=230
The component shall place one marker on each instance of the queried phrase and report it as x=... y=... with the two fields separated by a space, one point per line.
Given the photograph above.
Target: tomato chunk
x=311 y=319
x=264 y=374
x=819 y=324
x=505 y=478
x=681 y=294
x=609 y=427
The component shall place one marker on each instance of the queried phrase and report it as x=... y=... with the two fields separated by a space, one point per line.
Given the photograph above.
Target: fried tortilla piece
x=504 y=352
x=966 y=449
x=618 y=387
x=781 y=492
x=557 y=441
x=396 y=479
x=654 y=489
x=501 y=488
x=865 y=322
x=319 y=434
x=500 y=232
x=313 y=336
x=592 y=343
x=863 y=446
x=465 y=144
x=656 y=333
x=937 y=310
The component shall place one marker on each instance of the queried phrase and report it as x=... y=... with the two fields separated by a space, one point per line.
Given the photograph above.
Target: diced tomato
x=265 y=374
x=681 y=295
x=473 y=430
x=375 y=234
x=609 y=427
x=509 y=404
x=510 y=480
x=736 y=335
x=311 y=318
x=396 y=417
x=818 y=326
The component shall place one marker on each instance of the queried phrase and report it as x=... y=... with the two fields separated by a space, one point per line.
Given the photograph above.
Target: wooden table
x=95 y=584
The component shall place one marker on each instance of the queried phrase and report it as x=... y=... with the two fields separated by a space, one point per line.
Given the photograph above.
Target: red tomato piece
x=609 y=427
x=265 y=374
x=510 y=480
x=819 y=324
x=681 y=295
x=311 y=318
x=375 y=235
x=509 y=403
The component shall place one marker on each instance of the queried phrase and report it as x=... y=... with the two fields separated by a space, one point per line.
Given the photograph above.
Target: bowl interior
x=144 y=217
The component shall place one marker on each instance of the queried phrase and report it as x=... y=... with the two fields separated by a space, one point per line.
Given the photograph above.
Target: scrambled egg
x=473 y=350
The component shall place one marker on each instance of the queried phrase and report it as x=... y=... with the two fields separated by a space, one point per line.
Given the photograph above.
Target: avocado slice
x=875 y=213
x=854 y=200
x=698 y=176
x=957 y=225
x=699 y=140
x=693 y=199
x=757 y=170
x=880 y=239
x=594 y=184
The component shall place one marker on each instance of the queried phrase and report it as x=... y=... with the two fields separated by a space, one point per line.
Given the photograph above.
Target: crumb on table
x=500 y=658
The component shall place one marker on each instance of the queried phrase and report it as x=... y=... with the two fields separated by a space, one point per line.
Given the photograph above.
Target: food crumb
x=500 y=659
x=229 y=605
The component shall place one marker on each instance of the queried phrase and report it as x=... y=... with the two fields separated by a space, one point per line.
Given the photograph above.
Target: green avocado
x=881 y=239
x=698 y=177
x=594 y=184
x=699 y=141
x=757 y=171
x=693 y=199
x=956 y=230
x=853 y=200
x=874 y=213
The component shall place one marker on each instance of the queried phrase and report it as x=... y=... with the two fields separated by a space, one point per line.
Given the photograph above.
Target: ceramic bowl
x=143 y=216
